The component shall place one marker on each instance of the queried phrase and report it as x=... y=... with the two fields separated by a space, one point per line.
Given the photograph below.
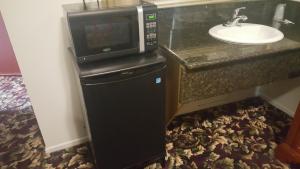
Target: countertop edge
x=207 y=65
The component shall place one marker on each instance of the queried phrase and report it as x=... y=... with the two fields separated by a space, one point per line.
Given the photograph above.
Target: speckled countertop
x=202 y=56
x=191 y=44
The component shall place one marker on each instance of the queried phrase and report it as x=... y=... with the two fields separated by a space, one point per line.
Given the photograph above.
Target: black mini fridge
x=125 y=106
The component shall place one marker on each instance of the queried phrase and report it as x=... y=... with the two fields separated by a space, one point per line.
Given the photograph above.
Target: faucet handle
x=236 y=11
x=243 y=17
x=287 y=22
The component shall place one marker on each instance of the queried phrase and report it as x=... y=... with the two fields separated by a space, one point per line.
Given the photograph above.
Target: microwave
x=107 y=30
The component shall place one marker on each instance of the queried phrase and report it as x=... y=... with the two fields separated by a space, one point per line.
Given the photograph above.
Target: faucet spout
x=235 y=20
x=237 y=11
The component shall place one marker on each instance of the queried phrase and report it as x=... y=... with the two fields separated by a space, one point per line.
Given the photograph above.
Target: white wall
x=36 y=32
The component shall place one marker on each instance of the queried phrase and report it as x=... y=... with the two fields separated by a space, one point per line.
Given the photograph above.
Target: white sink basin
x=247 y=33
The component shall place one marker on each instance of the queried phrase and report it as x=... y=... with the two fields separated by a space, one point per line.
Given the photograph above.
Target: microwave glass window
x=107 y=34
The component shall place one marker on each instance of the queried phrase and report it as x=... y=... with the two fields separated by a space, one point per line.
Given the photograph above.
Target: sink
x=247 y=33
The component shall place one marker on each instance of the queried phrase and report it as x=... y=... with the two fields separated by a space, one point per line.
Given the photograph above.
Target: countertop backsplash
x=292 y=13
x=200 y=18
x=184 y=31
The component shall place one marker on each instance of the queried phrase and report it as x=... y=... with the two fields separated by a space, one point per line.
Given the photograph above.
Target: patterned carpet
x=13 y=94
x=240 y=135
x=21 y=143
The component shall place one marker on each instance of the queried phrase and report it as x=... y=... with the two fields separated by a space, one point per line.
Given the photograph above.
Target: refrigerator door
x=126 y=115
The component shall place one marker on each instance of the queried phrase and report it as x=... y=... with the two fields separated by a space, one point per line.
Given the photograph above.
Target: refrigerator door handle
x=128 y=75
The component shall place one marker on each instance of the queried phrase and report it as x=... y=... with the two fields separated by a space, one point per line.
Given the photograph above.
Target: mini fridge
x=125 y=107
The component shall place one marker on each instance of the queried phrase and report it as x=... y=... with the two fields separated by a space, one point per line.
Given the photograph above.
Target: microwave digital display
x=107 y=34
x=151 y=17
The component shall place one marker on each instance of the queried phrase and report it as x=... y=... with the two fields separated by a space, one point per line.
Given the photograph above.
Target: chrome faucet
x=285 y=21
x=277 y=23
x=278 y=18
x=237 y=11
x=236 y=18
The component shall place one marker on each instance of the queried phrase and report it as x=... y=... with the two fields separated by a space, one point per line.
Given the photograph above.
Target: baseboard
x=277 y=104
x=216 y=101
x=67 y=144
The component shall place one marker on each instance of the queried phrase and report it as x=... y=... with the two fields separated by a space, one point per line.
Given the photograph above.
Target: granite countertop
x=201 y=54
x=188 y=39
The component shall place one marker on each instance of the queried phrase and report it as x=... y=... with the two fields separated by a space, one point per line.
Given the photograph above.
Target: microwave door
x=105 y=34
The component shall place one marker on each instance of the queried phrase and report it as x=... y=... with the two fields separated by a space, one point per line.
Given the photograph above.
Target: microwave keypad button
x=152 y=35
x=152 y=24
x=150 y=30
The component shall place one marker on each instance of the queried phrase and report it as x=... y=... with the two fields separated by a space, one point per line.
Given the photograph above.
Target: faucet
x=236 y=18
x=278 y=18
x=285 y=21
x=277 y=23
x=237 y=11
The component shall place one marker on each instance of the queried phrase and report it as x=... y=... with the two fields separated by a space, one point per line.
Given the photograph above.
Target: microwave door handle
x=141 y=28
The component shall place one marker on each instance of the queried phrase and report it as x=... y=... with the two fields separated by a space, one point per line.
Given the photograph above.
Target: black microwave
x=103 y=31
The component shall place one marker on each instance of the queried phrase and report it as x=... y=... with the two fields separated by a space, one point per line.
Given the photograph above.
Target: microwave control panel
x=150 y=26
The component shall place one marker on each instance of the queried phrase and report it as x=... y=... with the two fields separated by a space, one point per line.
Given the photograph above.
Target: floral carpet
x=239 y=135
x=21 y=143
x=13 y=94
